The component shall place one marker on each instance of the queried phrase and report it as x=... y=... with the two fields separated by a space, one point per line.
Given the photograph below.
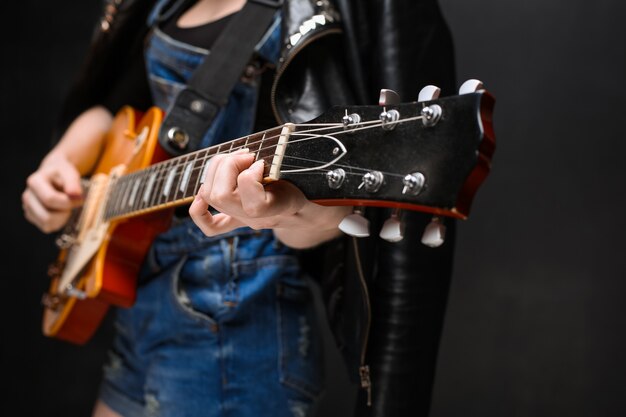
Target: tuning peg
x=393 y=228
x=388 y=97
x=355 y=224
x=388 y=118
x=430 y=92
x=434 y=233
x=471 y=86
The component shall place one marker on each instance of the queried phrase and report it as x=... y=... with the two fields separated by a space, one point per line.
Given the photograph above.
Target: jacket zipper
x=364 y=369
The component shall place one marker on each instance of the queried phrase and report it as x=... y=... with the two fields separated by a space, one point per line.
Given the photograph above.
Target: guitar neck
x=425 y=156
x=176 y=181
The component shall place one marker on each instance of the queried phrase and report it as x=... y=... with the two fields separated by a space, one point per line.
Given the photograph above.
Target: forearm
x=82 y=143
x=312 y=225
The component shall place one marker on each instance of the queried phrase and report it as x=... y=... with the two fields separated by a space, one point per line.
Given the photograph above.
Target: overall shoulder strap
x=211 y=83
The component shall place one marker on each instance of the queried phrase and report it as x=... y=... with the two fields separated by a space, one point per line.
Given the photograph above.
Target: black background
x=536 y=318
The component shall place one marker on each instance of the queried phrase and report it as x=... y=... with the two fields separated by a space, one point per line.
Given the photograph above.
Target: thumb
x=68 y=179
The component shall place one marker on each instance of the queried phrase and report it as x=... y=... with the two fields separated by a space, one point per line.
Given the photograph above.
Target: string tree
x=388 y=118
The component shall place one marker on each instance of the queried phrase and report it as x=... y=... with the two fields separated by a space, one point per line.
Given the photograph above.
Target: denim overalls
x=222 y=326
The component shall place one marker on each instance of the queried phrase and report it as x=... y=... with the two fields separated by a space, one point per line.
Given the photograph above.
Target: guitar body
x=108 y=277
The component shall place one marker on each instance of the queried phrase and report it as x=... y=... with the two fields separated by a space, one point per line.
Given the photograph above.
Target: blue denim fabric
x=222 y=326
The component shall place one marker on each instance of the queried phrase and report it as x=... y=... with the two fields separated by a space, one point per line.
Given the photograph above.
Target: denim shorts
x=221 y=327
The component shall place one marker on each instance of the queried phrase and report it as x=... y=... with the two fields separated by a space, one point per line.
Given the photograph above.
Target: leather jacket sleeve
x=401 y=45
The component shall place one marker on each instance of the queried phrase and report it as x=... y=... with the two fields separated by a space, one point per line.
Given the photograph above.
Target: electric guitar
x=429 y=155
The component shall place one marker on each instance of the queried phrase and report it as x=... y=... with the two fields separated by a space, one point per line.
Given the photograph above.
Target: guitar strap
x=210 y=85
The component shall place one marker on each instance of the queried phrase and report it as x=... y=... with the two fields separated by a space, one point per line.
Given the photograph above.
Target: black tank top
x=202 y=36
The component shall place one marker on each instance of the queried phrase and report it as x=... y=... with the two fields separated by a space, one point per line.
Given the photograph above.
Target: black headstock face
x=426 y=155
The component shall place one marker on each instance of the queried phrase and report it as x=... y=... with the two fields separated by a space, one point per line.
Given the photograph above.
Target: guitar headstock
x=428 y=155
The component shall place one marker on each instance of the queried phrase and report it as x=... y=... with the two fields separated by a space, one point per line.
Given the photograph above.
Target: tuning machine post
x=388 y=118
x=350 y=121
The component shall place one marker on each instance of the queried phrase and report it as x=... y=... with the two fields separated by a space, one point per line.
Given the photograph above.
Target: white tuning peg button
x=388 y=98
x=393 y=229
x=471 y=86
x=435 y=233
x=355 y=225
x=430 y=92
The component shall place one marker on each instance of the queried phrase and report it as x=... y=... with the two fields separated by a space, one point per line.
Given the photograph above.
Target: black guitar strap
x=208 y=89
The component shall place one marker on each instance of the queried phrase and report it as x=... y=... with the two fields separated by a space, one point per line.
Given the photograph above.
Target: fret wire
x=120 y=197
x=178 y=193
x=107 y=206
x=159 y=180
x=198 y=169
x=121 y=187
x=191 y=165
x=173 y=173
x=181 y=174
x=127 y=194
x=142 y=178
x=196 y=177
x=115 y=197
x=149 y=172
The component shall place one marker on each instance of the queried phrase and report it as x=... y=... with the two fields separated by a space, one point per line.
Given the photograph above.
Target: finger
x=275 y=198
x=46 y=220
x=209 y=224
x=214 y=162
x=222 y=195
x=254 y=199
x=68 y=179
x=47 y=190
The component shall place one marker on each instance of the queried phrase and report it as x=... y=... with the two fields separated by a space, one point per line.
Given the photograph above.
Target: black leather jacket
x=385 y=301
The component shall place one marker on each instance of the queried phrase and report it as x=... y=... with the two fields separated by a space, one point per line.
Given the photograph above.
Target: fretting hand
x=233 y=186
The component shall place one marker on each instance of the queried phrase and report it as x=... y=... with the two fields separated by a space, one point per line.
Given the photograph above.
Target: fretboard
x=176 y=181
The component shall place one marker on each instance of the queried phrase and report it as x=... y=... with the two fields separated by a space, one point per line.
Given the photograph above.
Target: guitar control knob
x=355 y=224
x=372 y=181
x=413 y=183
x=435 y=233
x=393 y=228
x=430 y=92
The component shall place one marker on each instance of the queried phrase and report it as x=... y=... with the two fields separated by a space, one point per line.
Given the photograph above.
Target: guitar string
x=305 y=134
